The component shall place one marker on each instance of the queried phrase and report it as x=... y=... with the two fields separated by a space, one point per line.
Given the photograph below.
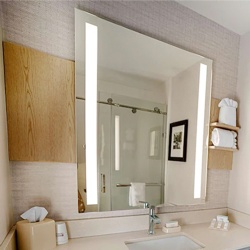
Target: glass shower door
x=137 y=145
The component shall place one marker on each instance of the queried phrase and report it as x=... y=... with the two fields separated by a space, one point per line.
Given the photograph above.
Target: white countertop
x=237 y=237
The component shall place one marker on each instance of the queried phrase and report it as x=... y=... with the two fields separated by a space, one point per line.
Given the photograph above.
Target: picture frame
x=178 y=133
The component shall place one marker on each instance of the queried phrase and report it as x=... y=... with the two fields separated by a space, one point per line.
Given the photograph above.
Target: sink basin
x=179 y=242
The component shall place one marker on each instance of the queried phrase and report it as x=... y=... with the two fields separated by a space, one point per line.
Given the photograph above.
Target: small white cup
x=61 y=233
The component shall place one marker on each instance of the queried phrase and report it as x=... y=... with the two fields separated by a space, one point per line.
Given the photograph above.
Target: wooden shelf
x=223 y=125
x=223 y=148
x=219 y=157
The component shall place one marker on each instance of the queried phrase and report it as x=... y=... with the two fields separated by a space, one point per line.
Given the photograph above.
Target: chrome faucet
x=153 y=219
x=145 y=204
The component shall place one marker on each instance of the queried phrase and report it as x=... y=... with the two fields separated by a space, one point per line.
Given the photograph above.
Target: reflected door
x=136 y=155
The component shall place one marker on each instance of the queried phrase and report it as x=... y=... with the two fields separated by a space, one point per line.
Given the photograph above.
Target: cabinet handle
x=103 y=185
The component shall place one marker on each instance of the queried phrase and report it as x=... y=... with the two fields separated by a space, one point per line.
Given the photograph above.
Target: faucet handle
x=152 y=210
x=145 y=204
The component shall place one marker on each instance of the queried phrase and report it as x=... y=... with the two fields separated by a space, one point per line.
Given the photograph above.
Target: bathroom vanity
x=236 y=238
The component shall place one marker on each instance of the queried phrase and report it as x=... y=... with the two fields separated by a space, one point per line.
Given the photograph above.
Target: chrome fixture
x=110 y=101
x=156 y=110
x=145 y=204
x=153 y=219
x=147 y=184
x=134 y=110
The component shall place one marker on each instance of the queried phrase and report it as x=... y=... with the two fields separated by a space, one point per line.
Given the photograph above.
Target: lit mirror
x=130 y=90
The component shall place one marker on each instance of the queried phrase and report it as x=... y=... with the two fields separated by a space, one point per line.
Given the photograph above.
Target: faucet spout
x=153 y=219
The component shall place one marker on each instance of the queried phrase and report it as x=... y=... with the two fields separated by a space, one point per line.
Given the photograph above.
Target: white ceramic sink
x=179 y=242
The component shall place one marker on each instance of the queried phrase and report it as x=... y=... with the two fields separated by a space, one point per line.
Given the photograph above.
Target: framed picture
x=178 y=141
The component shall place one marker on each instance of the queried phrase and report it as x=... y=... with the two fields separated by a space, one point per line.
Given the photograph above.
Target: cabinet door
x=40 y=98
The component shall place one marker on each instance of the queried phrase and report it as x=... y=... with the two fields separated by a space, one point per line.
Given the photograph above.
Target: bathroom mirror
x=129 y=89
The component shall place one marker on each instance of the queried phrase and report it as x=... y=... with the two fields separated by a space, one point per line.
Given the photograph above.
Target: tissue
x=35 y=214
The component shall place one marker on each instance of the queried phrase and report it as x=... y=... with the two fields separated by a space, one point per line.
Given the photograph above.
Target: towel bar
x=147 y=184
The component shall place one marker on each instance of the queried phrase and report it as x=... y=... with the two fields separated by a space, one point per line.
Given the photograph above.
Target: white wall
x=6 y=213
x=152 y=91
x=183 y=105
x=239 y=187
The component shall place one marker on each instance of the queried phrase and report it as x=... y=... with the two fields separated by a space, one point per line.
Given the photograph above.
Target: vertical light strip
x=91 y=111
x=117 y=142
x=152 y=143
x=200 y=130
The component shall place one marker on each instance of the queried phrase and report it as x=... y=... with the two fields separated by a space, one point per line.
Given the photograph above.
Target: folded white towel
x=226 y=102
x=227 y=113
x=136 y=194
x=224 y=138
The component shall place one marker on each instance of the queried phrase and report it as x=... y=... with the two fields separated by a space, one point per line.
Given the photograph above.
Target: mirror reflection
x=139 y=86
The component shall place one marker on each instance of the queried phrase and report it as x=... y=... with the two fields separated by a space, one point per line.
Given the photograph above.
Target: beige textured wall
x=6 y=213
x=49 y=26
x=52 y=185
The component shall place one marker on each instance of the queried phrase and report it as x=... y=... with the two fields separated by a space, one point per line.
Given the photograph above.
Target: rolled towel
x=224 y=138
x=234 y=140
x=136 y=194
x=227 y=113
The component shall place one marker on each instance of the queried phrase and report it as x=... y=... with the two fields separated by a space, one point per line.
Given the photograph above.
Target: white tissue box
x=36 y=236
x=227 y=115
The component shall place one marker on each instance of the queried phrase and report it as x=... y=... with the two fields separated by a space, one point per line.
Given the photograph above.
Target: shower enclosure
x=131 y=144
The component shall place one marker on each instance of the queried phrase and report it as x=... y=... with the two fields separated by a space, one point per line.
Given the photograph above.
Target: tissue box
x=36 y=236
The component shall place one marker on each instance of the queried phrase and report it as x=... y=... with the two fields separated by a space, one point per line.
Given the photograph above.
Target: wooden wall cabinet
x=40 y=98
x=219 y=158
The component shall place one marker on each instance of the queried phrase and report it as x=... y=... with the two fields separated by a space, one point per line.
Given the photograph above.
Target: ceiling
x=233 y=15
x=134 y=54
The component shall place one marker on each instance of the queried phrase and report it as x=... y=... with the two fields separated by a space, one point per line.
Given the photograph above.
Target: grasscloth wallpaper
x=49 y=27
